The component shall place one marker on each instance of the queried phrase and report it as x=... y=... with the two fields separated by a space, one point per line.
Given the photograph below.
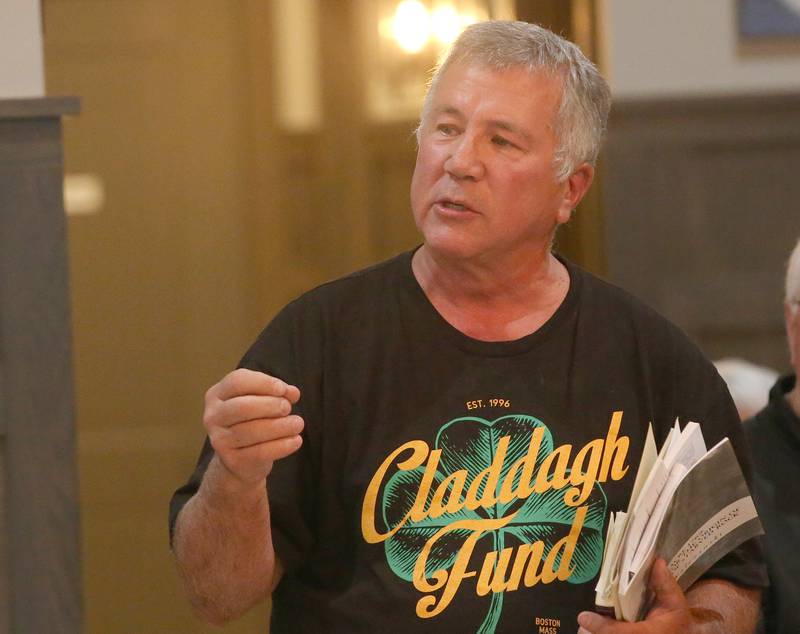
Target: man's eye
x=502 y=142
x=445 y=129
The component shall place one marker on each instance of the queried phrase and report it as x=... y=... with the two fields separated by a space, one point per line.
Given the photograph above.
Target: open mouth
x=451 y=205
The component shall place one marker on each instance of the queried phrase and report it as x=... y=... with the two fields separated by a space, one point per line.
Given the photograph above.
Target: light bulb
x=446 y=24
x=411 y=26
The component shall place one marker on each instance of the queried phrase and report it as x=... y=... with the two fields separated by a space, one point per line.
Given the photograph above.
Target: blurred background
x=230 y=154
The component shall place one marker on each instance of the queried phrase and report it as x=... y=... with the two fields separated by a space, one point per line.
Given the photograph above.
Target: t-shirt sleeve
x=185 y=492
x=745 y=564
x=709 y=402
x=277 y=352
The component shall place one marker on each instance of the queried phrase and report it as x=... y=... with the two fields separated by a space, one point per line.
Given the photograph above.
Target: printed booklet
x=689 y=506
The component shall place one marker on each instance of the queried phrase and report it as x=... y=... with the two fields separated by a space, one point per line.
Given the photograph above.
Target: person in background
x=774 y=435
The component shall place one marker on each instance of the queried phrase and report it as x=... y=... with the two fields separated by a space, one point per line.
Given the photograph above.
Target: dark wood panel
x=41 y=521
x=5 y=598
x=555 y=15
x=392 y=150
x=703 y=208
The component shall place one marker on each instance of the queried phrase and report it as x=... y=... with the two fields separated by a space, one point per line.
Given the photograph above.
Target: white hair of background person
x=793 y=278
x=586 y=99
x=748 y=383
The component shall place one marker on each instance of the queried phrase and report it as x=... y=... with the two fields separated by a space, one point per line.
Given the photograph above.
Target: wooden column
x=39 y=544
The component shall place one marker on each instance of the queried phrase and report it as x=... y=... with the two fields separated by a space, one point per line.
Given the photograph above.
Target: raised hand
x=249 y=421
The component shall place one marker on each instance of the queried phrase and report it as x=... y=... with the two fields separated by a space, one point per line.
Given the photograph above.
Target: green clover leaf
x=470 y=443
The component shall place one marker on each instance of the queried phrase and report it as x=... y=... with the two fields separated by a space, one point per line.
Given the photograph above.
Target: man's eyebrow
x=448 y=110
x=509 y=127
x=499 y=124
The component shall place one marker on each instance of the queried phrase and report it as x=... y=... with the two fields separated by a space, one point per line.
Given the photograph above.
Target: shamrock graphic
x=470 y=443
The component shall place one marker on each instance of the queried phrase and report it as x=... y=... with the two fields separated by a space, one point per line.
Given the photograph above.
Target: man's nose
x=465 y=161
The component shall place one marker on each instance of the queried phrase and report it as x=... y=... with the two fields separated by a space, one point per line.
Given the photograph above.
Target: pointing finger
x=243 y=381
x=255 y=432
x=244 y=408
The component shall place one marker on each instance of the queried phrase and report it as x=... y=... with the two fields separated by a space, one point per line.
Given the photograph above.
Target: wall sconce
x=84 y=194
x=296 y=70
x=404 y=39
x=413 y=25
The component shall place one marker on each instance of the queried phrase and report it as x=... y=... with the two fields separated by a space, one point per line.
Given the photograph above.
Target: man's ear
x=792 y=316
x=575 y=188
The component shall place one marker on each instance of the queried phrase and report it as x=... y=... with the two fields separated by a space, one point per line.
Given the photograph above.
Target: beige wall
x=162 y=295
x=657 y=48
x=21 y=69
x=214 y=218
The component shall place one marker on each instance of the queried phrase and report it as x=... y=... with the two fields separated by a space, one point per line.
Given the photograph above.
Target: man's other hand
x=669 y=615
x=249 y=421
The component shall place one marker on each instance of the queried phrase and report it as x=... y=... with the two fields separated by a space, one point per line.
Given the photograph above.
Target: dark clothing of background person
x=774 y=436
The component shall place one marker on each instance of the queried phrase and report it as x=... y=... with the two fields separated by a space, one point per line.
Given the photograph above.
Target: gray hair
x=793 y=276
x=586 y=99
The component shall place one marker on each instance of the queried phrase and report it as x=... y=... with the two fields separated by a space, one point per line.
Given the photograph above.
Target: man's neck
x=492 y=300
x=793 y=398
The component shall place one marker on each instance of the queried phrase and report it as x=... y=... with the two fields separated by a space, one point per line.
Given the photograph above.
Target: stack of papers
x=689 y=506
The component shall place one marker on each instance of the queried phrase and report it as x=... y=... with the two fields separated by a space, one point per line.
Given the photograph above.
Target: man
x=434 y=443
x=774 y=435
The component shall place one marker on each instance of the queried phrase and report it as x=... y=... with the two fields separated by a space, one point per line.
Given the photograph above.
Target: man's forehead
x=462 y=85
x=514 y=78
x=508 y=72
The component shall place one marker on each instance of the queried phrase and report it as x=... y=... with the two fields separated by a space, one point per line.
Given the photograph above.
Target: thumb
x=667 y=593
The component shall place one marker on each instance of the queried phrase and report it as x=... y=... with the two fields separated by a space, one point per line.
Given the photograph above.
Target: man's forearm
x=720 y=607
x=223 y=547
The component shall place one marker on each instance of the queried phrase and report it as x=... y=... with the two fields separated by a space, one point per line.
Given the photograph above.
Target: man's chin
x=453 y=247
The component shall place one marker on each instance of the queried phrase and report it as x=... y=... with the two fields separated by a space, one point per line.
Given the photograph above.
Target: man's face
x=484 y=185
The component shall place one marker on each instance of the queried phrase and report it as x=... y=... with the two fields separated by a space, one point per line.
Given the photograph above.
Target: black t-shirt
x=774 y=435
x=447 y=484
